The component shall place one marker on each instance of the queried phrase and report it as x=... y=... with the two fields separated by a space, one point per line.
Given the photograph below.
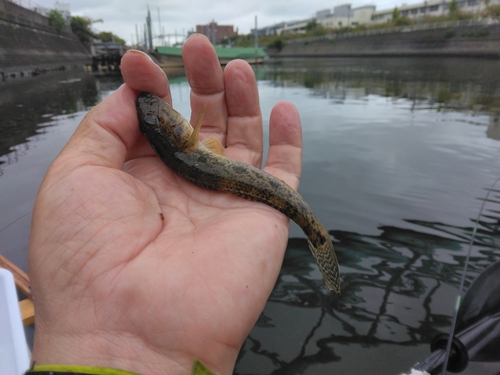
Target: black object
x=477 y=333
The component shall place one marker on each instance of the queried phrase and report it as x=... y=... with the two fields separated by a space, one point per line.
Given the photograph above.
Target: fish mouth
x=147 y=107
x=145 y=95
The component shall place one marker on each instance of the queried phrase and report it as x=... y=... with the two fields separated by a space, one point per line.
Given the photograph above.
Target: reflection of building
x=493 y=130
x=216 y=33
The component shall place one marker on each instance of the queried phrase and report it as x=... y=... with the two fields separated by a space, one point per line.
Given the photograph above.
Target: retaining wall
x=28 y=45
x=470 y=41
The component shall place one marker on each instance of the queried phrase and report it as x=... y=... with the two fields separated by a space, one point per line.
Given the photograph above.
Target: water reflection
x=398 y=285
x=38 y=116
x=29 y=106
x=25 y=103
x=397 y=288
x=439 y=84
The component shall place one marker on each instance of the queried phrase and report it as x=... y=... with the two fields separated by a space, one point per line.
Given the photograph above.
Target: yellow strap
x=198 y=369
x=71 y=369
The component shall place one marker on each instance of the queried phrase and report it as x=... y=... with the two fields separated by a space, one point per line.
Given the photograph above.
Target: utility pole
x=159 y=29
x=213 y=37
x=136 y=35
x=256 y=41
x=150 y=35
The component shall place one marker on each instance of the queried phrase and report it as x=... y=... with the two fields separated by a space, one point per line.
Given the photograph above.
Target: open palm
x=135 y=268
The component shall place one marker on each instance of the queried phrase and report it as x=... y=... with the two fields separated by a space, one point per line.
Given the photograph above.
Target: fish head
x=158 y=117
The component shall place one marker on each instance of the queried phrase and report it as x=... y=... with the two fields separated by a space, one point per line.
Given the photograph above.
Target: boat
x=476 y=335
x=14 y=355
x=169 y=57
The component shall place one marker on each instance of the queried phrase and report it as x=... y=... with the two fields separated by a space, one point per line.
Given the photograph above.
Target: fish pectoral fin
x=214 y=145
x=193 y=138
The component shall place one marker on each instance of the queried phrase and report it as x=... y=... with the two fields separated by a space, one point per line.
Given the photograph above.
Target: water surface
x=398 y=157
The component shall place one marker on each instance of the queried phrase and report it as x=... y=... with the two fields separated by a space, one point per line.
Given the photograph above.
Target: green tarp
x=222 y=52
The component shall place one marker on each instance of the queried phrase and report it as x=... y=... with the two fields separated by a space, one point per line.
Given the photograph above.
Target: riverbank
x=457 y=39
x=29 y=46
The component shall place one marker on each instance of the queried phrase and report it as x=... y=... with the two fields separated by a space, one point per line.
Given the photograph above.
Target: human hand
x=135 y=268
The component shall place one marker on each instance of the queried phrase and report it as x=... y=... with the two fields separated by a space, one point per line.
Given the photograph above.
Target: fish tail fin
x=327 y=263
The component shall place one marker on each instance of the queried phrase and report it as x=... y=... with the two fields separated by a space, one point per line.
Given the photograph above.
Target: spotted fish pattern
x=176 y=143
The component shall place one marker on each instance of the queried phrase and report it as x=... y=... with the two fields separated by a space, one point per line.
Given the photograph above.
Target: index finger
x=141 y=74
x=205 y=77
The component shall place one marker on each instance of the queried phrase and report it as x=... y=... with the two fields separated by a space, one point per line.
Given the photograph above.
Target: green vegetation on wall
x=56 y=19
x=81 y=27
x=107 y=36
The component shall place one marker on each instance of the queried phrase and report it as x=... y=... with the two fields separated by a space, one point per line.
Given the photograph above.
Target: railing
x=397 y=29
x=31 y=5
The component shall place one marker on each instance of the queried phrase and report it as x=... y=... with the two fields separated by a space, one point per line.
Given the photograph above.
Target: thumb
x=107 y=132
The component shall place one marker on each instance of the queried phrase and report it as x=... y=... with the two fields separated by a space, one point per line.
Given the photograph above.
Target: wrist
x=198 y=368
x=75 y=370
x=125 y=353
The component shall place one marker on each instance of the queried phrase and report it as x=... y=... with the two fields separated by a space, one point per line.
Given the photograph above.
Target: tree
x=277 y=43
x=313 y=28
x=107 y=36
x=397 y=20
x=395 y=14
x=455 y=13
x=453 y=8
x=492 y=11
x=81 y=27
x=56 y=19
x=311 y=25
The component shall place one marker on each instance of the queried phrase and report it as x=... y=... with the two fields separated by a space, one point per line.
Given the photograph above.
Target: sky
x=180 y=16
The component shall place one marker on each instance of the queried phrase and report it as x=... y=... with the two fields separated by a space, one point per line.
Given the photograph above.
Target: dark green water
x=398 y=157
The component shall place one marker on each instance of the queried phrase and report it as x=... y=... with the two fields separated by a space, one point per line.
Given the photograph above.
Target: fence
x=31 y=5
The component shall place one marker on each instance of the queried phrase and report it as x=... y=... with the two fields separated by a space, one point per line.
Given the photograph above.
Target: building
x=269 y=30
x=63 y=8
x=345 y=16
x=430 y=8
x=216 y=33
x=284 y=27
x=295 y=26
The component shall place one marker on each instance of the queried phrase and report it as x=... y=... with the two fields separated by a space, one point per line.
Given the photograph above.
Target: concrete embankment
x=28 y=45
x=452 y=39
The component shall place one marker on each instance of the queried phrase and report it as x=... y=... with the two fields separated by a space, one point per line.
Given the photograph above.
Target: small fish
x=204 y=164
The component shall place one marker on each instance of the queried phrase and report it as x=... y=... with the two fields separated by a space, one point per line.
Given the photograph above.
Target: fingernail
x=139 y=52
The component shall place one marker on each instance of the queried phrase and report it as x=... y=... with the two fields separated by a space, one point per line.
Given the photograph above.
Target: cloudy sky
x=180 y=16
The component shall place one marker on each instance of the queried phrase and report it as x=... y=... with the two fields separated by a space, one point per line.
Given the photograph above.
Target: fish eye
x=150 y=119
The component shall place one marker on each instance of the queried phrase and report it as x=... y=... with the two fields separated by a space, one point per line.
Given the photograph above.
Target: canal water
x=399 y=155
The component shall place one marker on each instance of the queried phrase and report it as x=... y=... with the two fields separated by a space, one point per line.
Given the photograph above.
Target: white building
x=345 y=16
x=289 y=26
x=431 y=8
x=295 y=26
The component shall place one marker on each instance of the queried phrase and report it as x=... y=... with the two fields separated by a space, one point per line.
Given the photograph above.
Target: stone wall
x=470 y=41
x=28 y=45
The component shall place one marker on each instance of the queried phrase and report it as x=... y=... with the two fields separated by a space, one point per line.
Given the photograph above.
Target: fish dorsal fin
x=214 y=145
x=193 y=138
